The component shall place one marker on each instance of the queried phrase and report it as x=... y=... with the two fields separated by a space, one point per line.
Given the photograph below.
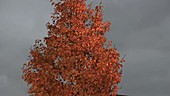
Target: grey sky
x=140 y=29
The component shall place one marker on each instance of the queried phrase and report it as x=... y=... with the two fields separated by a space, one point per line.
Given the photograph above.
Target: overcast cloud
x=140 y=29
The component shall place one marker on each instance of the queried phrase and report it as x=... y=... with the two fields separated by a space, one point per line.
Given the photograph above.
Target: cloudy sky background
x=140 y=29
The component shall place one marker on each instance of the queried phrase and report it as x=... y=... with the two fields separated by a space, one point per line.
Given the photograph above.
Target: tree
x=75 y=59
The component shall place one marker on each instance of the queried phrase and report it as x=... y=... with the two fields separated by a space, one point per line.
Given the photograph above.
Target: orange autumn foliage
x=75 y=59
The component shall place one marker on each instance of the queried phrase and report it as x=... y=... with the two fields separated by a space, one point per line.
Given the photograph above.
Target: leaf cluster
x=75 y=59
